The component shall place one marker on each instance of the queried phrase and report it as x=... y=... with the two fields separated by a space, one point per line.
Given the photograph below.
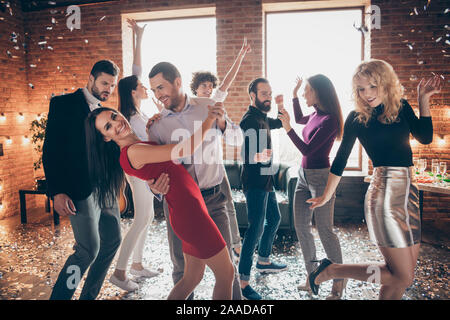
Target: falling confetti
x=101 y=19
x=447 y=42
x=32 y=65
x=31 y=85
x=50 y=47
x=447 y=10
x=410 y=46
x=438 y=39
x=9 y=53
x=415 y=11
x=52 y=3
x=413 y=78
x=49 y=28
x=14 y=37
x=86 y=40
x=42 y=43
x=53 y=20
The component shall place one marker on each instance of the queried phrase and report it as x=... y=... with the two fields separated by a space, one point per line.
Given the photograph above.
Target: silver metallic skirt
x=392 y=207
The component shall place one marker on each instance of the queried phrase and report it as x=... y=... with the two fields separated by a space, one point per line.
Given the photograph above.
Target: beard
x=174 y=100
x=96 y=93
x=261 y=105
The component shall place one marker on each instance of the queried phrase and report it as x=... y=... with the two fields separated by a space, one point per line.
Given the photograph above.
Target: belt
x=210 y=191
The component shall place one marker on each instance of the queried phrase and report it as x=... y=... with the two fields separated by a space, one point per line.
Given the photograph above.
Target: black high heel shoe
x=313 y=275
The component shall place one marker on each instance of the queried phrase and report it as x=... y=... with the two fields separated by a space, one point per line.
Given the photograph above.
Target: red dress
x=188 y=214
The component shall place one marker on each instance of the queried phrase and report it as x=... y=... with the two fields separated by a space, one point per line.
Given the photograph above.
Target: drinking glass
x=435 y=161
x=435 y=171
x=416 y=165
x=443 y=170
x=422 y=166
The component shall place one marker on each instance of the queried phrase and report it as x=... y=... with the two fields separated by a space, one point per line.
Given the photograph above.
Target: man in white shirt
x=178 y=119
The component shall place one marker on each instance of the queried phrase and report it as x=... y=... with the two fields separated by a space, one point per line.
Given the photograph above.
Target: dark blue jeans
x=263 y=222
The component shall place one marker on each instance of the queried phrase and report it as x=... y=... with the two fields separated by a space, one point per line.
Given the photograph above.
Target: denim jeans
x=263 y=221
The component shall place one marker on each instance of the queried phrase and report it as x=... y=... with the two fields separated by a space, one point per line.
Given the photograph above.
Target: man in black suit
x=96 y=230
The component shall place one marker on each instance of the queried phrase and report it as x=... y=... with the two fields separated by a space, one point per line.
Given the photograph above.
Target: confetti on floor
x=31 y=256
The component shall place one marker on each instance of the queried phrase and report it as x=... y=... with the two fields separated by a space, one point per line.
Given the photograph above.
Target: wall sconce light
x=26 y=139
x=8 y=140
x=2 y=117
x=441 y=140
x=21 y=117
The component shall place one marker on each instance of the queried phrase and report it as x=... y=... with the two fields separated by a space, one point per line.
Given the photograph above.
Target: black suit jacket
x=64 y=150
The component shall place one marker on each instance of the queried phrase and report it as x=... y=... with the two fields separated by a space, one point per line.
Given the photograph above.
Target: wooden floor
x=32 y=254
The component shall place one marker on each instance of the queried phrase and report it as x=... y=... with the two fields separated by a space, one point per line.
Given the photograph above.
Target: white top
x=219 y=95
x=138 y=122
x=92 y=101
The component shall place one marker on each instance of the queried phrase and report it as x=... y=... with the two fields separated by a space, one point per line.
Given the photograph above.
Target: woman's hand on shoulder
x=156 y=117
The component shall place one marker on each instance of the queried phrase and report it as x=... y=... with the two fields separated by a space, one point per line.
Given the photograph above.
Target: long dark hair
x=105 y=173
x=126 y=102
x=328 y=99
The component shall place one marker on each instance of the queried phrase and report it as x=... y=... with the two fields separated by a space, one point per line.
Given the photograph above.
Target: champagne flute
x=416 y=165
x=443 y=170
x=422 y=166
x=435 y=170
x=435 y=161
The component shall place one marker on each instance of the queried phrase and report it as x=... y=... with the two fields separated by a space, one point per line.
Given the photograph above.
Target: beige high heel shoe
x=337 y=295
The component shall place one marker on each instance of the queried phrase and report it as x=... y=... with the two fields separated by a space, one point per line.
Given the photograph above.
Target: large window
x=188 y=43
x=304 y=43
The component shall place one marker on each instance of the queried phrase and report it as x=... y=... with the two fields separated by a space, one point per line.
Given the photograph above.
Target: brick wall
x=16 y=165
x=66 y=65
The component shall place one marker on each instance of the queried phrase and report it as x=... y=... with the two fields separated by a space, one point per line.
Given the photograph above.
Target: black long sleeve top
x=385 y=144
x=256 y=127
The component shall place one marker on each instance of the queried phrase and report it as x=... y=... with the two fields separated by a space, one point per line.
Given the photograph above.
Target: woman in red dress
x=111 y=141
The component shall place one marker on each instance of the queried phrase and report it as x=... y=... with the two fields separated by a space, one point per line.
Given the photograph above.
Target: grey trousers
x=231 y=211
x=215 y=204
x=97 y=235
x=311 y=183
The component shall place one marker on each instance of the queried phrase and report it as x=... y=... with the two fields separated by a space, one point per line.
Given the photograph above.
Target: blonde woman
x=383 y=122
